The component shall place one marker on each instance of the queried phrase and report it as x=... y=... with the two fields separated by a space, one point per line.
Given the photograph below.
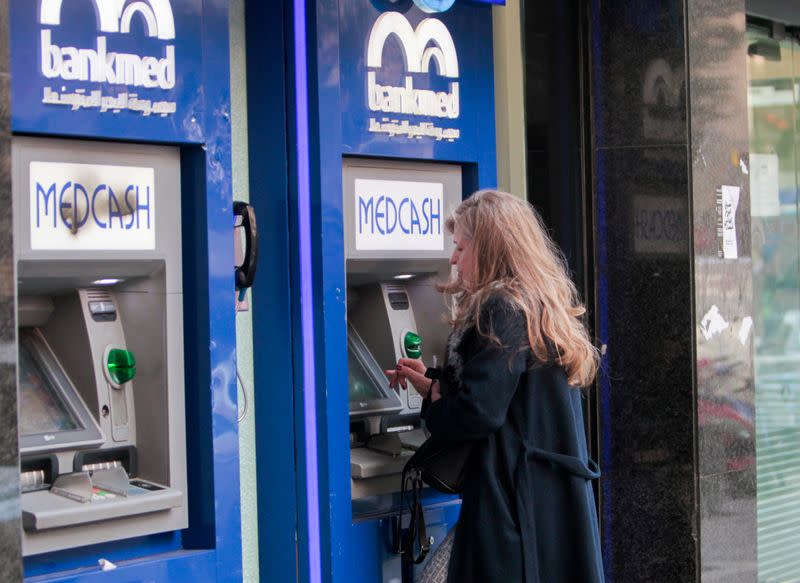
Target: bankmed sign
x=393 y=215
x=101 y=65
x=92 y=206
x=418 y=80
x=430 y=42
x=114 y=63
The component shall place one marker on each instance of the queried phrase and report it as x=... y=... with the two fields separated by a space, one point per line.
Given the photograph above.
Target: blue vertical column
x=328 y=119
x=275 y=392
x=222 y=325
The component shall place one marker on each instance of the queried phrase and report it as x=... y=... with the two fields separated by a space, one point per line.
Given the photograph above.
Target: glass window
x=773 y=67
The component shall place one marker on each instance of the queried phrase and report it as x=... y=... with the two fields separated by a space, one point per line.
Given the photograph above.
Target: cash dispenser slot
x=104 y=459
x=38 y=472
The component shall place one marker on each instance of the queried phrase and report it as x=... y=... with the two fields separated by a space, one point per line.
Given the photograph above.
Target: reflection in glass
x=362 y=384
x=773 y=67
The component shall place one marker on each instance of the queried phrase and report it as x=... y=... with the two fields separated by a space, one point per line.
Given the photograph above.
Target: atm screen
x=369 y=391
x=42 y=406
x=52 y=415
x=362 y=385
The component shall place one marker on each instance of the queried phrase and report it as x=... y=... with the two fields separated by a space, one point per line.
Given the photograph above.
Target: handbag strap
x=414 y=543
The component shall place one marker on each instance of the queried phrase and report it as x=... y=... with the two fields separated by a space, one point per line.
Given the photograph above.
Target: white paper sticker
x=744 y=329
x=395 y=215
x=730 y=201
x=712 y=323
x=764 y=185
x=92 y=206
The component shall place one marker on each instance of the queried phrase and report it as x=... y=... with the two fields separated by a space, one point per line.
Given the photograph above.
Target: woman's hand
x=410 y=370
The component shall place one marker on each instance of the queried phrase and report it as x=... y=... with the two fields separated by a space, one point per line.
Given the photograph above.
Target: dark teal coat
x=528 y=511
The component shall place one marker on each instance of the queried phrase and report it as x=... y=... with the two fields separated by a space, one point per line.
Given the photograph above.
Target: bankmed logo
x=430 y=42
x=98 y=64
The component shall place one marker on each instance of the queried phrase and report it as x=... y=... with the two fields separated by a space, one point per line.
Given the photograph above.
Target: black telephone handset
x=246 y=272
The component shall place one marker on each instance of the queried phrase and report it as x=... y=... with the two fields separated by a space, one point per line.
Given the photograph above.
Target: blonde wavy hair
x=516 y=257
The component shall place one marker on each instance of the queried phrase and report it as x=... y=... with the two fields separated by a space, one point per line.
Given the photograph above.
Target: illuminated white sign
x=394 y=215
x=115 y=16
x=431 y=41
x=98 y=63
x=92 y=206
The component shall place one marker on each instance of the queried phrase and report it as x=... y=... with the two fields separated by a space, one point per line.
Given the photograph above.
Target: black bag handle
x=413 y=543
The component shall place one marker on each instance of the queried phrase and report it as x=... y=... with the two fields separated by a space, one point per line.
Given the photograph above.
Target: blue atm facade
x=379 y=93
x=121 y=112
x=350 y=90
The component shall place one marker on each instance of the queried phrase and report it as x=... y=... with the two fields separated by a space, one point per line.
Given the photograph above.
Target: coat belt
x=523 y=480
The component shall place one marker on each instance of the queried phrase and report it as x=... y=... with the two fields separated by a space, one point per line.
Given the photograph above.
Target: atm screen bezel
x=90 y=434
x=390 y=401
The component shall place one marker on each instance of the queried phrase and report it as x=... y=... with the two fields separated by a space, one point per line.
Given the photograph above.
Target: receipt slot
x=100 y=300
x=397 y=250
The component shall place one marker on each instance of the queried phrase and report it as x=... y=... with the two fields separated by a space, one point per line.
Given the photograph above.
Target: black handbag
x=443 y=466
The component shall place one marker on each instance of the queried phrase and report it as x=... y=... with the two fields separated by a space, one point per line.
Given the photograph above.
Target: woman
x=516 y=356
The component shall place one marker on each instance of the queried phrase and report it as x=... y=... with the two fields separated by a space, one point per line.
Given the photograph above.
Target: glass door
x=773 y=69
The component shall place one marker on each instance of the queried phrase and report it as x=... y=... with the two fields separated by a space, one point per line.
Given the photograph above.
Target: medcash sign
x=429 y=43
x=397 y=215
x=103 y=66
x=91 y=206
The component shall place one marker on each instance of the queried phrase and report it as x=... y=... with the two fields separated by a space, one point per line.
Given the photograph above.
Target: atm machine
x=397 y=250
x=101 y=397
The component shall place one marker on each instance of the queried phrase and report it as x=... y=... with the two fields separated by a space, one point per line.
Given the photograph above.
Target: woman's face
x=463 y=257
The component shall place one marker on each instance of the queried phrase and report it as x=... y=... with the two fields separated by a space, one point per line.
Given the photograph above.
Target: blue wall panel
x=272 y=298
x=100 y=94
x=203 y=99
x=350 y=552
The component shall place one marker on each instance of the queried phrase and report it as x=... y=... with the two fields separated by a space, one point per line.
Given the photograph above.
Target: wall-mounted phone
x=244 y=216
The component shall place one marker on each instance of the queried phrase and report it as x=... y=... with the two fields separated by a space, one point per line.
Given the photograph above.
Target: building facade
x=658 y=139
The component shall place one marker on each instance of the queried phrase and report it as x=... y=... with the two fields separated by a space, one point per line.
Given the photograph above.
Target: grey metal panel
x=43 y=510
x=366 y=463
x=149 y=322
x=366 y=312
x=69 y=338
x=102 y=531
x=165 y=162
